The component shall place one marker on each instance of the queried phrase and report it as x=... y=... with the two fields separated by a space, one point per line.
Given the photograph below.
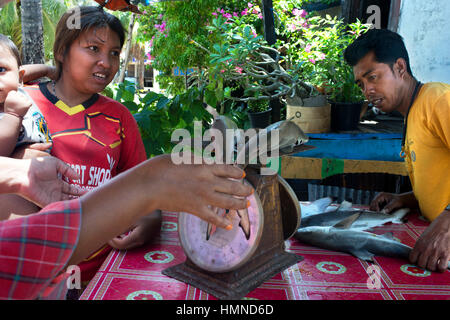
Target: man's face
x=379 y=83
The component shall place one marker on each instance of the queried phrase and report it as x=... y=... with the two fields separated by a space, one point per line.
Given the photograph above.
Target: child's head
x=78 y=22
x=10 y=71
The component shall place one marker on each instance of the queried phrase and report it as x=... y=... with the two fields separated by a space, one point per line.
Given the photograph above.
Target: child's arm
x=15 y=107
x=36 y=71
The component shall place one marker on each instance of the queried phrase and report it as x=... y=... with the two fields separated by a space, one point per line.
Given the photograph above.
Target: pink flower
x=254 y=33
x=308 y=48
x=214 y=13
x=239 y=70
x=291 y=27
x=312 y=61
x=302 y=13
x=260 y=16
x=222 y=71
x=235 y=14
x=227 y=15
x=250 y=4
x=245 y=12
x=321 y=56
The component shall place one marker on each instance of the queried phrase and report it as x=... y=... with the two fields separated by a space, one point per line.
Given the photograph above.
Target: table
x=322 y=275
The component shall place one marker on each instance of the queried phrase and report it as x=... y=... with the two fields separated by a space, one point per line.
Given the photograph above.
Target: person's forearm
x=11 y=171
x=111 y=209
x=10 y=129
x=409 y=200
x=36 y=71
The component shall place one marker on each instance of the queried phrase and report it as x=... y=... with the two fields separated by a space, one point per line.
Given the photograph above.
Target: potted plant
x=324 y=41
x=259 y=113
x=242 y=61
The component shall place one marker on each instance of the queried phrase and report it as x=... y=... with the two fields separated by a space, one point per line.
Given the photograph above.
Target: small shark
x=363 y=245
x=362 y=219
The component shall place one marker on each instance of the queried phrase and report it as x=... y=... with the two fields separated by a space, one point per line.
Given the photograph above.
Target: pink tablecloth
x=322 y=275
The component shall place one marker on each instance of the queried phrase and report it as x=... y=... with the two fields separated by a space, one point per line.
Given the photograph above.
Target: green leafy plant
x=317 y=44
x=158 y=115
x=244 y=68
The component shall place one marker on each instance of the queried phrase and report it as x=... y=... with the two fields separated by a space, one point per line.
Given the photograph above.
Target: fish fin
x=363 y=255
x=345 y=205
x=399 y=215
x=347 y=222
x=388 y=235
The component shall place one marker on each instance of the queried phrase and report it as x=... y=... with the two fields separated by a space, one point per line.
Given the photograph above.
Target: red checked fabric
x=34 y=250
x=322 y=275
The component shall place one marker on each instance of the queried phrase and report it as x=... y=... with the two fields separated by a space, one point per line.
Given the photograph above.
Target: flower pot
x=312 y=115
x=345 y=116
x=260 y=119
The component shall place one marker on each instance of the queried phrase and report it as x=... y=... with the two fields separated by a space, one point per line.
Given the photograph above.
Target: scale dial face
x=225 y=250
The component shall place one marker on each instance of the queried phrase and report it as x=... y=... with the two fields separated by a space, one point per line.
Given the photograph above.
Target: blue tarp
x=355 y=146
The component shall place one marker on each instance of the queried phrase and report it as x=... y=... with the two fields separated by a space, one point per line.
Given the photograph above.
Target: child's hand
x=16 y=103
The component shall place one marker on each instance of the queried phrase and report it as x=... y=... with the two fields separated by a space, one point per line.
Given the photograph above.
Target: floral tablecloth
x=322 y=275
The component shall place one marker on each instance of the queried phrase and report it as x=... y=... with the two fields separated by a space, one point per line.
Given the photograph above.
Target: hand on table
x=432 y=249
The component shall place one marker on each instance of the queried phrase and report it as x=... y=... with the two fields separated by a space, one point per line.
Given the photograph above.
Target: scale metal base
x=226 y=286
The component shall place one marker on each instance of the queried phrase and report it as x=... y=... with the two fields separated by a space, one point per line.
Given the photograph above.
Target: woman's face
x=92 y=61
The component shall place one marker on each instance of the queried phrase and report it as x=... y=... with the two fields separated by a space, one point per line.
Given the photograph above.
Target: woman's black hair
x=386 y=45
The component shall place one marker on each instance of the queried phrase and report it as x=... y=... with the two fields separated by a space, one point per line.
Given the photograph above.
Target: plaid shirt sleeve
x=35 y=249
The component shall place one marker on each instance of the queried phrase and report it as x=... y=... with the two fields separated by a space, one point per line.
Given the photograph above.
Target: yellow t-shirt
x=427 y=148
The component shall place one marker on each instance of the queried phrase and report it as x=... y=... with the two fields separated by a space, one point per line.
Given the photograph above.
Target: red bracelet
x=14 y=114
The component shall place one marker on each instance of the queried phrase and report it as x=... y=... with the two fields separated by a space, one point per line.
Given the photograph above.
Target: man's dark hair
x=7 y=43
x=386 y=45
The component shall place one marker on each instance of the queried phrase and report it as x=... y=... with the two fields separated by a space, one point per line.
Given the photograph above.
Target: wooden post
x=271 y=38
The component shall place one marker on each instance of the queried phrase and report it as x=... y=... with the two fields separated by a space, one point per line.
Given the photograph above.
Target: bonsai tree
x=243 y=68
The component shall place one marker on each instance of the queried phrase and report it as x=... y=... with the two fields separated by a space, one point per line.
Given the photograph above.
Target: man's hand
x=389 y=202
x=432 y=249
x=146 y=229
x=41 y=183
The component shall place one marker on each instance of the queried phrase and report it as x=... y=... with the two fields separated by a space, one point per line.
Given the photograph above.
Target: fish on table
x=361 y=244
x=362 y=219
x=344 y=228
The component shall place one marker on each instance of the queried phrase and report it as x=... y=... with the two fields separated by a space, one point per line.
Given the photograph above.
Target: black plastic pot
x=260 y=119
x=345 y=116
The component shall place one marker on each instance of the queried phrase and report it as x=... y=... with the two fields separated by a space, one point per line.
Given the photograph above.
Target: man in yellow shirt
x=381 y=67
